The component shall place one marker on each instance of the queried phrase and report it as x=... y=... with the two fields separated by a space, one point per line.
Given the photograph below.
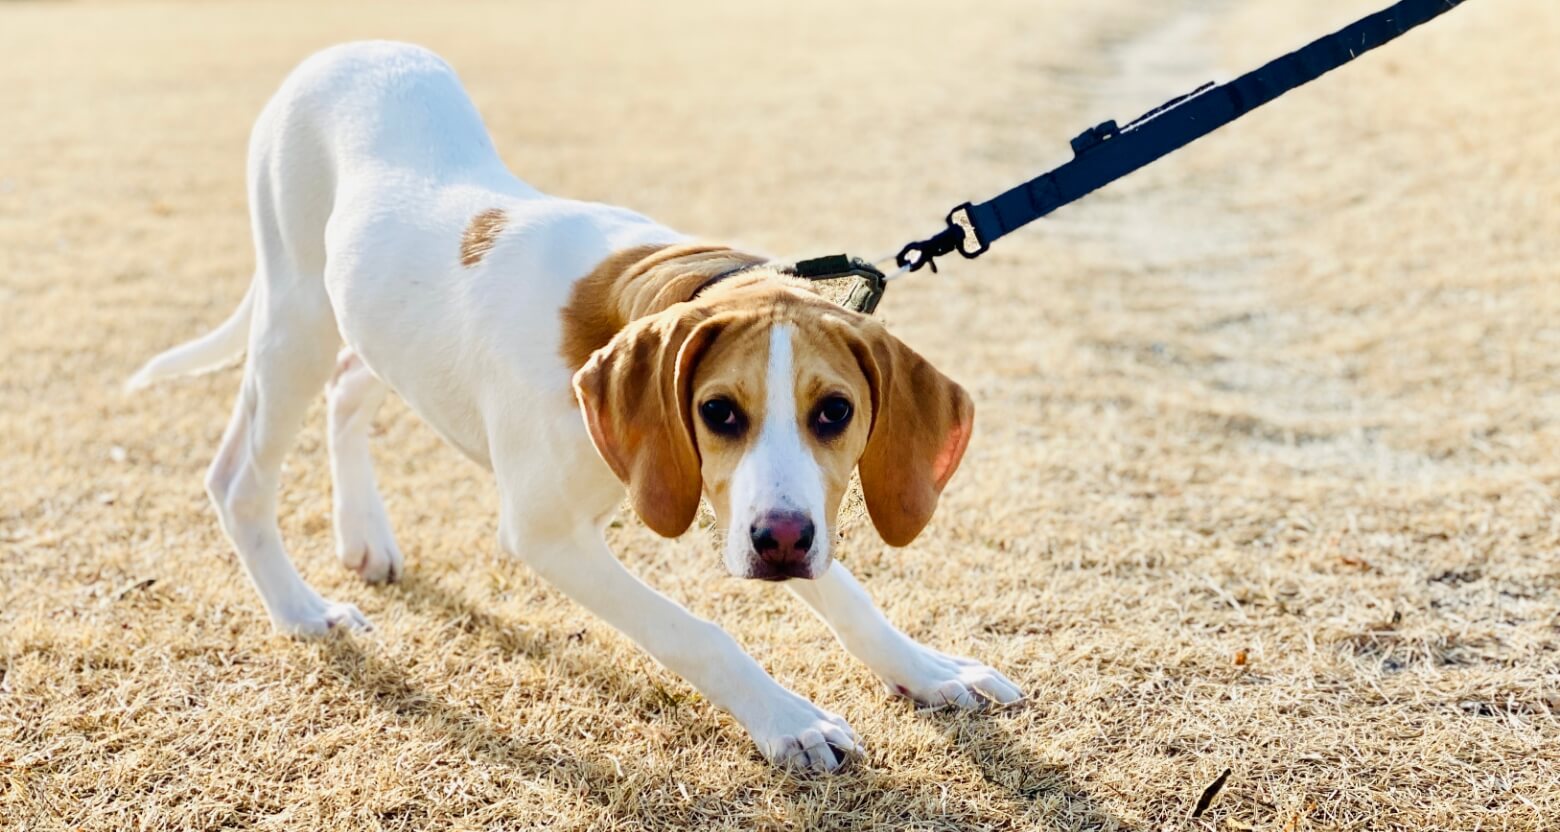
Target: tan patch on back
x=480 y=236
x=635 y=282
x=591 y=318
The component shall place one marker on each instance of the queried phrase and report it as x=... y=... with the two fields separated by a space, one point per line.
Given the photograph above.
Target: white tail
x=219 y=348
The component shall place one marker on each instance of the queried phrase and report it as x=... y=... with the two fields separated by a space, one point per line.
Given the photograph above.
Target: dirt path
x=1205 y=271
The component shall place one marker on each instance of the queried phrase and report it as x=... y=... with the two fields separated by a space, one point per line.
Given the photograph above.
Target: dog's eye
x=832 y=416
x=722 y=417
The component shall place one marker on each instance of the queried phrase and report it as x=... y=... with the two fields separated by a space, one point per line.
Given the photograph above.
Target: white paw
x=366 y=545
x=317 y=617
x=938 y=680
x=796 y=734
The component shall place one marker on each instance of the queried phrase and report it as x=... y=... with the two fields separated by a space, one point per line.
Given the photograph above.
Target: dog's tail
x=219 y=348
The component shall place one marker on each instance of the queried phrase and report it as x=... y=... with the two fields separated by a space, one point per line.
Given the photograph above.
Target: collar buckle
x=871 y=283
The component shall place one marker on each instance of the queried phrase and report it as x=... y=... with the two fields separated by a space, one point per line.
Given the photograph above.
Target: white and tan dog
x=384 y=219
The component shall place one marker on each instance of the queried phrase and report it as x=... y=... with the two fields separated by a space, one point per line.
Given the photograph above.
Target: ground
x=1265 y=475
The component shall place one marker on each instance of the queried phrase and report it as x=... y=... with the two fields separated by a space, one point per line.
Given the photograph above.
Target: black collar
x=864 y=298
x=722 y=276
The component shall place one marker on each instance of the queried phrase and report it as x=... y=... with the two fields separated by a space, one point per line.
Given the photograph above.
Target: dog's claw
x=803 y=738
x=937 y=680
x=321 y=619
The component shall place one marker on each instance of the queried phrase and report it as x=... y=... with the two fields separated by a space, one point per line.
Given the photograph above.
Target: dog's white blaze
x=779 y=472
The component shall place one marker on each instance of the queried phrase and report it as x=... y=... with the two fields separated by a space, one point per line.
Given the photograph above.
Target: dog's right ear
x=635 y=396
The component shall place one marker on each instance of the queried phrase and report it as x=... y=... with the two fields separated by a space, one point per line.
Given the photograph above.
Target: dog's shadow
x=1031 y=792
x=1039 y=793
x=392 y=690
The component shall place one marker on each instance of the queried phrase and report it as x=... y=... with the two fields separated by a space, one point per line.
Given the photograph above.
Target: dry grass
x=1291 y=397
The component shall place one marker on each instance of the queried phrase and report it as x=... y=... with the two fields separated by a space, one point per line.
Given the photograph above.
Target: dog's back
x=381 y=104
x=362 y=121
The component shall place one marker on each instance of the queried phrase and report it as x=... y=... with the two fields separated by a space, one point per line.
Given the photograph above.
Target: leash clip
x=960 y=236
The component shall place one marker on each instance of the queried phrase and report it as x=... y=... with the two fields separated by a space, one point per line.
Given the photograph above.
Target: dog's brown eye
x=832 y=416
x=722 y=417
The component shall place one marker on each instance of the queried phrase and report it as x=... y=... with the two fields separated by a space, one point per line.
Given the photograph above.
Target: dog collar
x=699 y=290
x=871 y=282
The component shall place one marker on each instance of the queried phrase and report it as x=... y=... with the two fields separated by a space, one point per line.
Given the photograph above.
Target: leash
x=1104 y=153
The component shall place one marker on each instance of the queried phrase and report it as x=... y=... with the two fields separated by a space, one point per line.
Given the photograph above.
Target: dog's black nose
x=782 y=540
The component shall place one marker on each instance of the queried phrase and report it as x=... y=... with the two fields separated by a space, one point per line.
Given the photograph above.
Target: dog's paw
x=366 y=545
x=319 y=617
x=797 y=735
x=938 y=680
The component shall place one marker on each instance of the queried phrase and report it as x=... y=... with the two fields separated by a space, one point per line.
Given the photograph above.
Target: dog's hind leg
x=364 y=541
x=290 y=356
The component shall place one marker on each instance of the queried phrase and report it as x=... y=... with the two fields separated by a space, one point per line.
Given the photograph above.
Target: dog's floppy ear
x=634 y=394
x=921 y=422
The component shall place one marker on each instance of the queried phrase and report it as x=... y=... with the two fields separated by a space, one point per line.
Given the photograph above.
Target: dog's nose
x=782 y=540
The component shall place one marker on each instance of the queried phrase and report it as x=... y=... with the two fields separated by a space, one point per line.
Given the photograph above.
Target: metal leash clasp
x=960 y=236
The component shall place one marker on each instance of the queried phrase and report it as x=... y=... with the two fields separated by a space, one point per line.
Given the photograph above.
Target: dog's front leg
x=907 y=667
x=789 y=730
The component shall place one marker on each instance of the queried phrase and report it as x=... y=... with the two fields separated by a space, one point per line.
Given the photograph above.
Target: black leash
x=1105 y=153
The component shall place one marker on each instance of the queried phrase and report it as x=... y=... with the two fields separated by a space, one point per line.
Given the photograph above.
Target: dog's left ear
x=921 y=423
x=634 y=394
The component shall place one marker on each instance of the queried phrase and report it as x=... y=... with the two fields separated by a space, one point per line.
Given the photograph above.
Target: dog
x=576 y=350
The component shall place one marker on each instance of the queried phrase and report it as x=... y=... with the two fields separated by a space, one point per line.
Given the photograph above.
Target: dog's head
x=764 y=398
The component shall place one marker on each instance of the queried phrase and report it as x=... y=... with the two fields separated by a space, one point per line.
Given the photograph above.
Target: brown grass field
x=1266 y=474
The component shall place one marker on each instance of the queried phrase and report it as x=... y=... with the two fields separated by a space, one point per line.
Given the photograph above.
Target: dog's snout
x=782 y=540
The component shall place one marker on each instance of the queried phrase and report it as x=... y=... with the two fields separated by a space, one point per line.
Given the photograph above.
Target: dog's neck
x=636 y=282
